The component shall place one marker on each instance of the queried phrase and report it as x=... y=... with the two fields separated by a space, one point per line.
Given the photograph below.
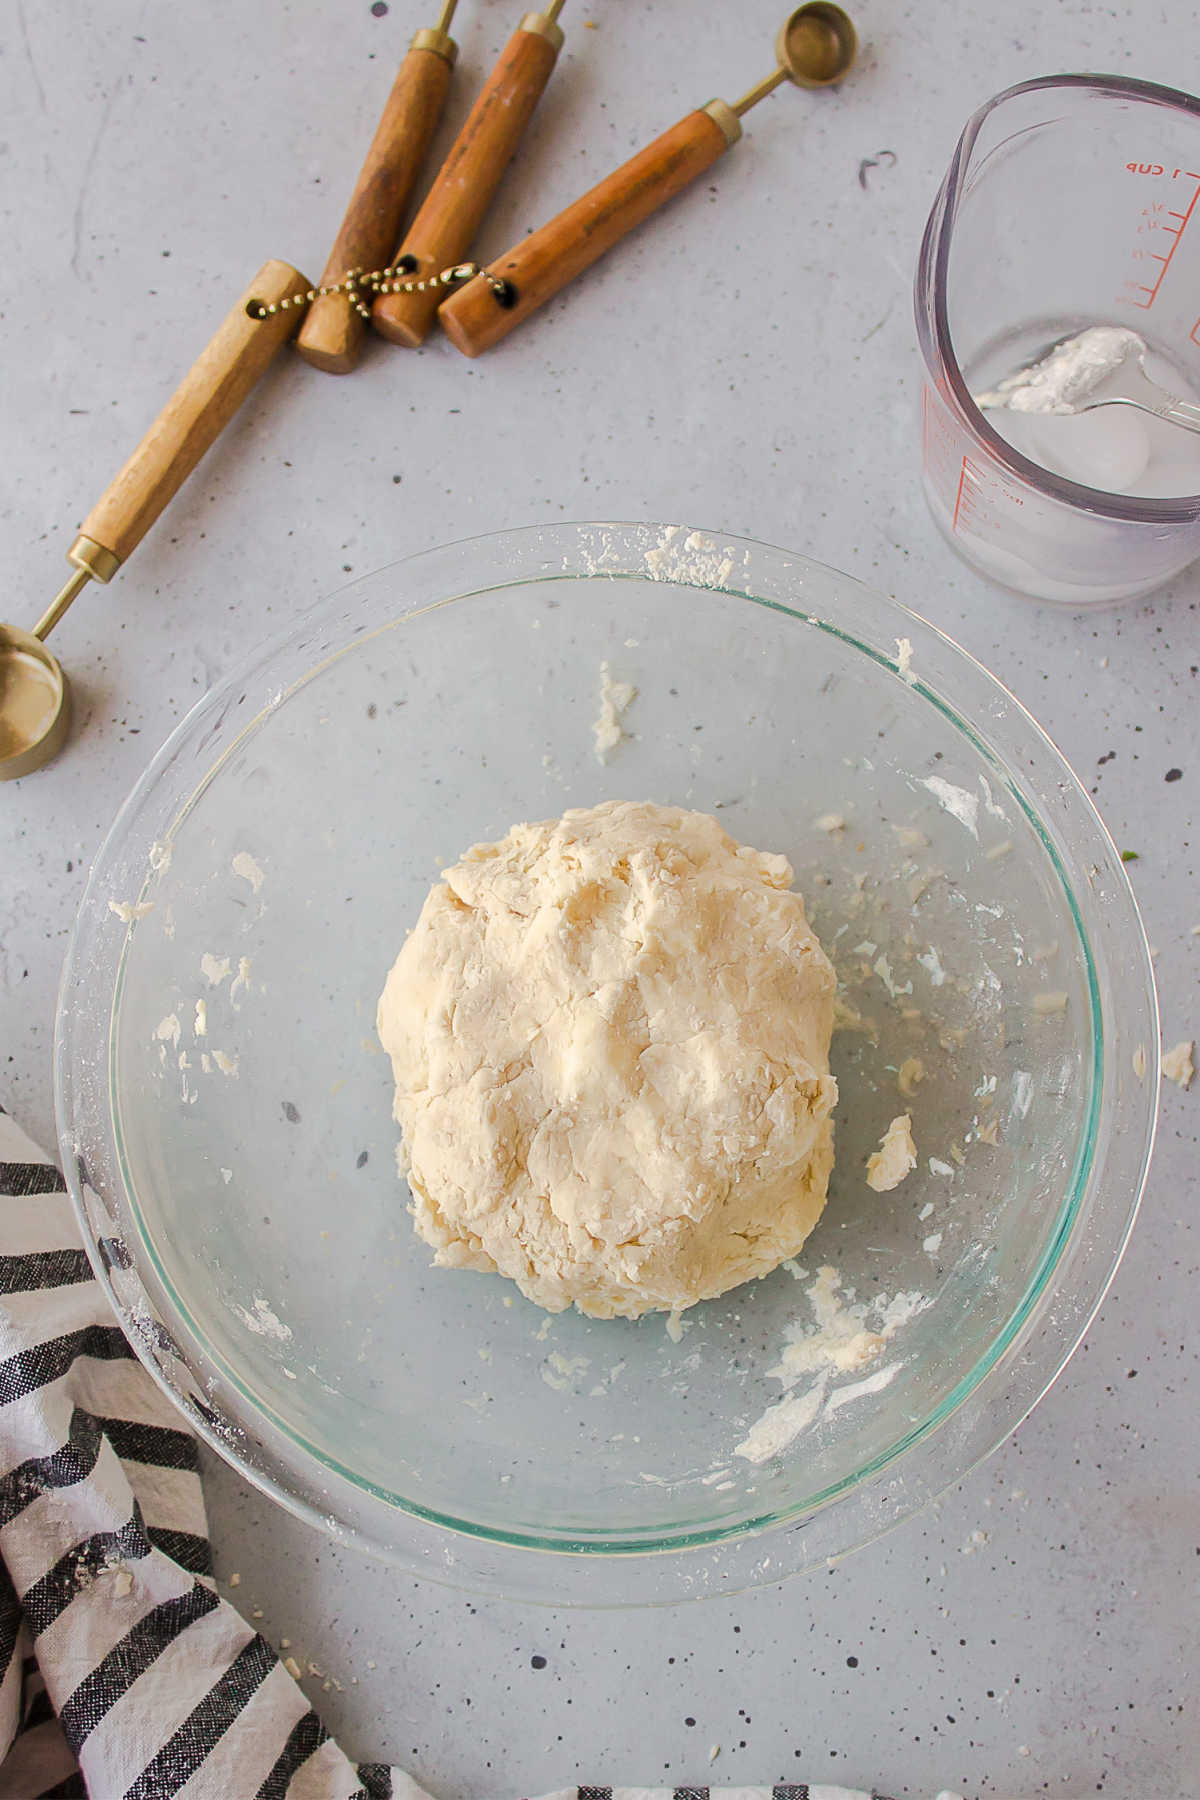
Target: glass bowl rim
x=727 y=1557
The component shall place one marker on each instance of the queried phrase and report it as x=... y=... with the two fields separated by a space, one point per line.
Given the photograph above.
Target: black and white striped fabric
x=123 y=1675
x=123 y=1672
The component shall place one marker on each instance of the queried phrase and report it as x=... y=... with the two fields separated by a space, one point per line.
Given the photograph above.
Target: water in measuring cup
x=1116 y=449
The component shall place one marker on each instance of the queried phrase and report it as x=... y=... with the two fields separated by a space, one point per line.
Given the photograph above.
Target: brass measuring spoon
x=816 y=46
x=34 y=696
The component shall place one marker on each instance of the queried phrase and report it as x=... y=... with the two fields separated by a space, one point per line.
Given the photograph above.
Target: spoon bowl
x=35 y=703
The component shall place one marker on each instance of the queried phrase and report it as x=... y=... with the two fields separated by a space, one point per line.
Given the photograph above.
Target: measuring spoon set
x=426 y=281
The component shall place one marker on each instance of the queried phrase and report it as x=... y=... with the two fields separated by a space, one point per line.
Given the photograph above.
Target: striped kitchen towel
x=123 y=1676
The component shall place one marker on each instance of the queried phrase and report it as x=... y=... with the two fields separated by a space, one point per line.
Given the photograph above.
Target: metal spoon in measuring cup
x=34 y=696
x=815 y=47
x=1075 y=375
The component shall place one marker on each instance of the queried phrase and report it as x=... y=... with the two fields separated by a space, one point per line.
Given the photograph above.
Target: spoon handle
x=1182 y=412
x=454 y=208
x=476 y=317
x=333 y=331
x=193 y=418
x=1170 y=407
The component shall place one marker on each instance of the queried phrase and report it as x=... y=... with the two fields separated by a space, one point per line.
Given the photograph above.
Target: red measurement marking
x=958 y=498
x=1194 y=333
x=1176 y=232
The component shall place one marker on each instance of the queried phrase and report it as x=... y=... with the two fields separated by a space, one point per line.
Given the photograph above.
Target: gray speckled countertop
x=748 y=364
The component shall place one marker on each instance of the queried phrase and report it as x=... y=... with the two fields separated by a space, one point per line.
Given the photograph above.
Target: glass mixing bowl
x=225 y=1110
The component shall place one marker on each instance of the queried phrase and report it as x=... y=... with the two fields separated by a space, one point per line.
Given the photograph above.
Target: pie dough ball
x=610 y=1039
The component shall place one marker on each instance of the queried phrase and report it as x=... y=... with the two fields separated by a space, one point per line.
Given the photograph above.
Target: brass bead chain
x=357 y=282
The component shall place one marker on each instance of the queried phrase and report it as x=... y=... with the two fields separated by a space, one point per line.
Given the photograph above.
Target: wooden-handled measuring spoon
x=332 y=336
x=815 y=47
x=453 y=210
x=34 y=697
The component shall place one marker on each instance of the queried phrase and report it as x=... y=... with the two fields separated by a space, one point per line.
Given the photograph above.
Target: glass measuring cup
x=1070 y=201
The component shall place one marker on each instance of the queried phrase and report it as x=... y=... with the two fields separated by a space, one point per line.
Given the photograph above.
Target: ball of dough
x=610 y=1039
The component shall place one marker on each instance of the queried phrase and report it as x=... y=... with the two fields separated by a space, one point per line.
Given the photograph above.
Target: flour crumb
x=910 y=1076
x=931 y=962
x=227 y=1064
x=293 y=1668
x=235 y=1579
x=938 y=1167
x=904 y=656
x=560 y=1372
x=932 y=1243
x=883 y=969
x=714 y=1752
x=227 y=1176
x=857 y=1390
x=241 y=981
x=200 y=1026
x=262 y=1321
x=616 y=697
x=848 y=1018
x=123 y=1582
x=711 y=566
x=159 y=857
x=958 y=802
x=169 y=1031
x=845 y=1336
x=129 y=910
x=675 y=1326
x=975 y=1541
x=245 y=866
x=781 y=1424
x=214 y=968
x=989 y=1133
x=1139 y=1062
x=658 y=560
x=1177 y=1064
x=831 y=822
x=698 y=559
x=1053 y=1002
x=895 y=1158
